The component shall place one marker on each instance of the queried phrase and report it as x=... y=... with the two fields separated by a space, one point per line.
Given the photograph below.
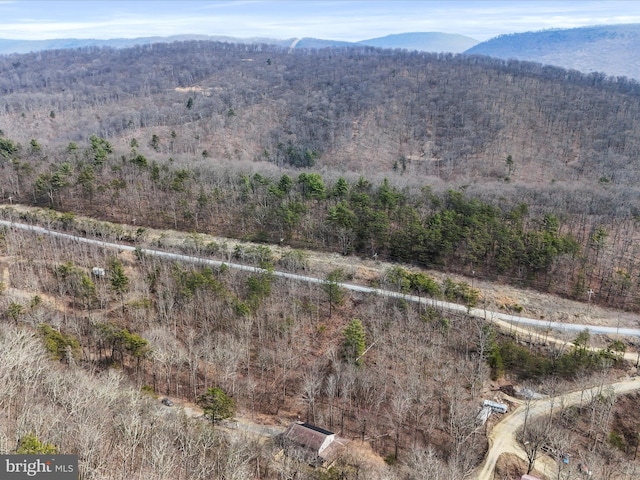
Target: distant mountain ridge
x=421 y=41
x=8 y=46
x=612 y=49
x=424 y=41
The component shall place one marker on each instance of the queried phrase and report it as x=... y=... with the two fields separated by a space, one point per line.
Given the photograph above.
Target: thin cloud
x=338 y=20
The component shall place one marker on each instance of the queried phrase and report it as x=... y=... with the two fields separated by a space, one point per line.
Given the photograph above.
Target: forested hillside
x=508 y=169
x=611 y=49
x=445 y=115
x=86 y=359
x=499 y=170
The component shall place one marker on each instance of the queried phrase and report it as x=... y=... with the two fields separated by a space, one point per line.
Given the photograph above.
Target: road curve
x=502 y=438
x=453 y=307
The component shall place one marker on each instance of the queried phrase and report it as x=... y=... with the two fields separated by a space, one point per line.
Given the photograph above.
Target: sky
x=348 y=20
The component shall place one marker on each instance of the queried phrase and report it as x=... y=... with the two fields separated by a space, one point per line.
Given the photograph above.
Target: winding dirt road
x=502 y=438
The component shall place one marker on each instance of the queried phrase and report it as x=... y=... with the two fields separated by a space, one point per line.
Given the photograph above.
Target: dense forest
x=518 y=138
x=355 y=108
x=80 y=345
x=500 y=170
x=508 y=151
x=278 y=347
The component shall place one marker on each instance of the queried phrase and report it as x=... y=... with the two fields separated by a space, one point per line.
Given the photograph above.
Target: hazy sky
x=329 y=19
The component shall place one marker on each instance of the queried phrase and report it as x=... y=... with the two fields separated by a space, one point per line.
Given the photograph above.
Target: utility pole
x=590 y=292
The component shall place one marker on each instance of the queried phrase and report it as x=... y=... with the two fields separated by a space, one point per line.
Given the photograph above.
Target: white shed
x=495 y=406
x=98 y=272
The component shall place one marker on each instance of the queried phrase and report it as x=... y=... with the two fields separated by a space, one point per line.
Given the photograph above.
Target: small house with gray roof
x=316 y=445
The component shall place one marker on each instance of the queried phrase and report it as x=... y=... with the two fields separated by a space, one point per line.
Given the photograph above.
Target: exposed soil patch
x=510 y=466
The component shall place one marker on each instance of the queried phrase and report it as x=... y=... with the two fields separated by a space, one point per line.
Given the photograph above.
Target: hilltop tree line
x=446 y=229
x=447 y=116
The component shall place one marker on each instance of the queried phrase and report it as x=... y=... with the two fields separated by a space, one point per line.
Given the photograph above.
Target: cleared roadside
x=440 y=304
